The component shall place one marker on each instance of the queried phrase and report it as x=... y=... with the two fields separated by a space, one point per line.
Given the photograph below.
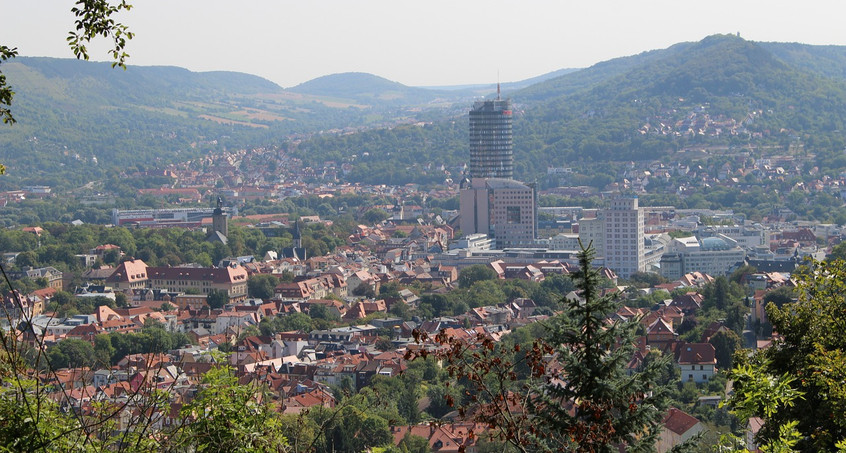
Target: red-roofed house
x=442 y=438
x=130 y=274
x=698 y=362
x=677 y=427
x=660 y=333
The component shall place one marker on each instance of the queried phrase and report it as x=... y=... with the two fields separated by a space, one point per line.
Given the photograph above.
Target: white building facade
x=624 y=248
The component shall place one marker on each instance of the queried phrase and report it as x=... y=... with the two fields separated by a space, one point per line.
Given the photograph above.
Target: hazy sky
x=417 y=43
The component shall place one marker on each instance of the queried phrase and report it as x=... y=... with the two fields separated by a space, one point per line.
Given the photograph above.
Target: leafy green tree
x=226 y=416
x=559 y=284
x=485 y=293
x=374 y=216
x=780 y=296
x=72 y=353
x=262 y=286
x=738 y=273
x=389 y=289
x=736 y=316
x=412 y=444
x=318 y=311
x=407 y=400
x=475 y=273
x=26 y=259
x=33 y=422
x=725 y=344
x=121 y=300
x=646 y=279
x=442 y=399
x=718 y=294
x=352 y=428
x=806 y=362
x=401 y=310
x=587 y=402
x=364 y=290
x=217 y=298
x=838 y=252
x=103 y=349
x=384 y=344
x=295 y=321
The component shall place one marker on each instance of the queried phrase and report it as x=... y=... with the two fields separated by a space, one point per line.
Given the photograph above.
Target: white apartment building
x=624 y=247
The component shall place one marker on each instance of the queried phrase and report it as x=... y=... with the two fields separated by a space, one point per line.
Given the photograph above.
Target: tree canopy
x=796 y=385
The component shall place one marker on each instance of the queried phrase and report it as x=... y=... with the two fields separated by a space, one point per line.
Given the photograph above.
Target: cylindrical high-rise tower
x=491 y=153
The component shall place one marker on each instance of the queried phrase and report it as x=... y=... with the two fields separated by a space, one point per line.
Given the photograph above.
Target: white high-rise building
x=624 y=247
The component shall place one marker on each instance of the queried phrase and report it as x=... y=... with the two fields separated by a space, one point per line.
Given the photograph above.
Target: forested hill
x=720 y=92
x=367 y=88
x=75 y=119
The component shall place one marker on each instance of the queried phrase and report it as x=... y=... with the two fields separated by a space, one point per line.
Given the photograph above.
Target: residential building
x=135 y=275
x=52 y=275
x=677 y=427
x=697 y=361
x=129 y=275
x=564 y=241
x=592 y=232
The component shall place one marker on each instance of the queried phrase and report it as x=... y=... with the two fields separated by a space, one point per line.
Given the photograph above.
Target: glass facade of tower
x=491 y=154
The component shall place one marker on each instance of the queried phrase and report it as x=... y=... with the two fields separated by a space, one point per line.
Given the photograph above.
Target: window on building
x=512 y=214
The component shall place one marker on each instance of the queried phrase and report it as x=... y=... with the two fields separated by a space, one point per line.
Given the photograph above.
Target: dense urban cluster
x=672 y=281
x=316 y=314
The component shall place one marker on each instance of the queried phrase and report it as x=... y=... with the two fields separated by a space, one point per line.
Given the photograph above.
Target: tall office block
x=625 y=253
x=504 y=208
x=490 y=140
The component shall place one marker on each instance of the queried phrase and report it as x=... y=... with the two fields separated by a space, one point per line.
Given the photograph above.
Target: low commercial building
x=716 y=255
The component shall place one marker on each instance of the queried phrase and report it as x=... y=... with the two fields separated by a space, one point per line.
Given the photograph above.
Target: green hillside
x=720 y=92
x=658 y=107
x=77 y=118
x=824 y=60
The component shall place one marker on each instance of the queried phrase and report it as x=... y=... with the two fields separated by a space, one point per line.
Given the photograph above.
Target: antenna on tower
x=498 y=92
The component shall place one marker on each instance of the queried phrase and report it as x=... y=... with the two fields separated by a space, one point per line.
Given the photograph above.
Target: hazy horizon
x=435 y=43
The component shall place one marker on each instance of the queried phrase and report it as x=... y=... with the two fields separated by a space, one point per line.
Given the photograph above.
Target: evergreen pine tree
x=592 y=403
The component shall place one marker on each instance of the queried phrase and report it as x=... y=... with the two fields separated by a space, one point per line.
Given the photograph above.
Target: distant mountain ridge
x=78 y=118
x=366 y=88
